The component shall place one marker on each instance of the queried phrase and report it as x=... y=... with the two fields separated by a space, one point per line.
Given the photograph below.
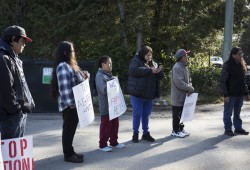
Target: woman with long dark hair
x=67 y=74
x=234 y=88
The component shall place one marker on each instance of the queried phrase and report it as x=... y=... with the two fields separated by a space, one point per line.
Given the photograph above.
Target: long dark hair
x=235 y=51
x=144 y=51
x=62 y=53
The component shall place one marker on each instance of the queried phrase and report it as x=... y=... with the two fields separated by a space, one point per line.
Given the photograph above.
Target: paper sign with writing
x=117 y=105
x=189 y=107
x=84 y=104
x=18 y=153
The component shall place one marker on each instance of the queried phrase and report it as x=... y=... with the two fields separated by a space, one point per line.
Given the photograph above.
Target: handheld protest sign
x=117 y=105
x=18 y=153
x=189 y=107
x=84 y=104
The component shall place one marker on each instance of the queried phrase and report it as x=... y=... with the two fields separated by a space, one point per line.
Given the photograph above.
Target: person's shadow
x=179 y=154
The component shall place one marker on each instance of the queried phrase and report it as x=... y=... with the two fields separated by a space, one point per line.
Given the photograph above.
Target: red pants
x=108 y=131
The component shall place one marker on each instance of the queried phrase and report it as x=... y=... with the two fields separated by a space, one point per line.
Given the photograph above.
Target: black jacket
x=233 y=80
x=141 y=81
x=13 y=98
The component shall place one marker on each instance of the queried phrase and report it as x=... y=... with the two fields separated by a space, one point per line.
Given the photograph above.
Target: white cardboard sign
x=189 y=107
x=84 y=104
x=117 y=105
x=17 y=153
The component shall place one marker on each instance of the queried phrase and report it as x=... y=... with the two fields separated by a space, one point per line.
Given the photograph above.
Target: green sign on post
x=47 y=75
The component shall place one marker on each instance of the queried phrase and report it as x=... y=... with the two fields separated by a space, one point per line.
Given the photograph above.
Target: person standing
x=234 y=88
x=15 y=98
x=67 y=74
x=108 y=128
x=143 y=87
x=180 y=87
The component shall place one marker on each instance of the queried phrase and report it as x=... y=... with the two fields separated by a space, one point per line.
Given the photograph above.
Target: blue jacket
x=141 y=81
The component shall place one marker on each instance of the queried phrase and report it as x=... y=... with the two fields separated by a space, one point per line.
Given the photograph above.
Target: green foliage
x=206 y=80
x=96 y=28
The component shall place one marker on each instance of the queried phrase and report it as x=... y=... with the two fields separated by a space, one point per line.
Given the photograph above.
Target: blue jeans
x=14 y=127
x=141 y=111
x=234 y=105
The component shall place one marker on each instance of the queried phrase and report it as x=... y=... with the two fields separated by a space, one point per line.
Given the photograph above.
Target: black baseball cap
x=16 y=31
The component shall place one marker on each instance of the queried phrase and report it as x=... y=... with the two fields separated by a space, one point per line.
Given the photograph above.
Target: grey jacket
x=101 y=80
x=180 y=84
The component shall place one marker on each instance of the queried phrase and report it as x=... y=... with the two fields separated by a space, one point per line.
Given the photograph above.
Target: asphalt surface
x=206 y=148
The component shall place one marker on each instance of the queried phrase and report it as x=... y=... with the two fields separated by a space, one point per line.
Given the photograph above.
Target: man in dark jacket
x=234 y=88
x=15 y=98
x=143 y=87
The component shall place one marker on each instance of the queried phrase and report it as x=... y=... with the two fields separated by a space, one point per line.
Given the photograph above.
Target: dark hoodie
x=15 y=97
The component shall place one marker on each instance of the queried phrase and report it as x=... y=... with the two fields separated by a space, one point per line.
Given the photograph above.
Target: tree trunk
x=123 y=27
x=139 y=37
x=155 y=40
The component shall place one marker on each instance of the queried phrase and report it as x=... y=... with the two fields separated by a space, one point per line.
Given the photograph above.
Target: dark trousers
x=176 y=114
x=108 y=131
x=70 y=121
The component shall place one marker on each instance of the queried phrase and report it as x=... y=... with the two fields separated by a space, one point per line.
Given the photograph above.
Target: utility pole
x=228 y=29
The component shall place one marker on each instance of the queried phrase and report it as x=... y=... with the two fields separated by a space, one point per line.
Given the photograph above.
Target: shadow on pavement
x=181 y=153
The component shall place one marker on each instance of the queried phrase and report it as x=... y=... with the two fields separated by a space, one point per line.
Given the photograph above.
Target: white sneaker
x=178 y=134
x=185 y=132
x=106 y=149
x=120 y=145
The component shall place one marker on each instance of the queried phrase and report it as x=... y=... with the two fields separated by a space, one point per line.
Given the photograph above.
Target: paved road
x=205 y=148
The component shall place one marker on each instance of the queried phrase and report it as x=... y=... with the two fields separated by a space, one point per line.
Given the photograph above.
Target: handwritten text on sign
x=84 y=104
x=117 y=105
x=189 y=107
x=18 y=153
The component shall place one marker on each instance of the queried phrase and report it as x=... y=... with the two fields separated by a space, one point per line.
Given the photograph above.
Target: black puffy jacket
x=141 y=81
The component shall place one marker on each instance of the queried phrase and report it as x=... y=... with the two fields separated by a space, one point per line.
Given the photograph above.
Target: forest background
x=118 y=28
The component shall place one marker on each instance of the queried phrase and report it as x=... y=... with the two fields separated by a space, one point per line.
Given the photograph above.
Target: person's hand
x=154 y=70
x=189 y=93
x=86 y=74
x=226 y=99
x=159 y=68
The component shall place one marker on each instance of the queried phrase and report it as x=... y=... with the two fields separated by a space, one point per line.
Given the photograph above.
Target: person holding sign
x=15 y=98
x=143 y=87
x=234 y=88
x=180 y=87
x=108 y=128
x=67 y=74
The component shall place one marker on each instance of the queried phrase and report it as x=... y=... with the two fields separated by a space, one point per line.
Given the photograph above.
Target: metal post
x=228 y=29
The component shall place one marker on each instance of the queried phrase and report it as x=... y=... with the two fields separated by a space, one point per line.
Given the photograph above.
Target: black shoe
x=148 y=137
x=241 y=132
x=81 y=156
x=135 y=138
x=229 y=133
x=73 y=159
